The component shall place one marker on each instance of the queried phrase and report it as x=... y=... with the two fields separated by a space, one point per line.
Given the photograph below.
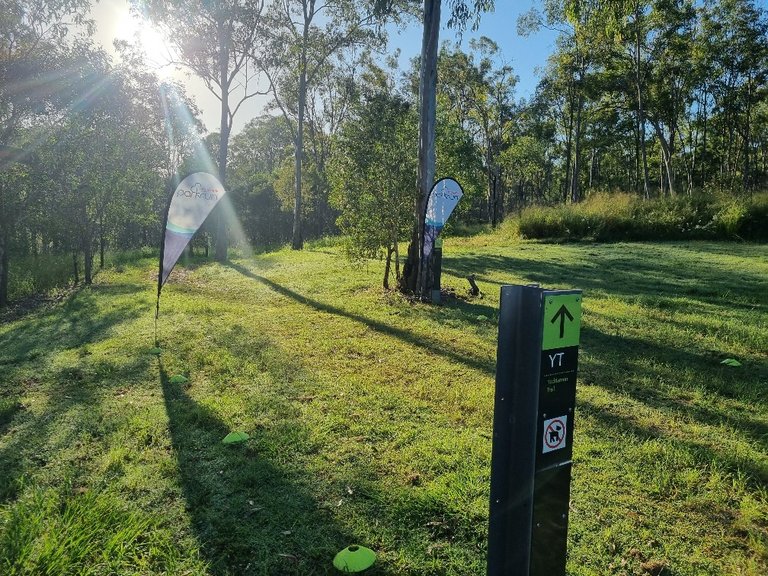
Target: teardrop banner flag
x=443 y=197
x=192 y=201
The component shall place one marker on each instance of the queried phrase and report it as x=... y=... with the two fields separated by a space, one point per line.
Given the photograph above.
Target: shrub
x=39 y=274
x=540 y=222
x=617 y=217
x=744 y=220
x=47 y=273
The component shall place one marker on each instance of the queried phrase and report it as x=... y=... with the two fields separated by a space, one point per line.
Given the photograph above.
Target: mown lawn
x=370 y=417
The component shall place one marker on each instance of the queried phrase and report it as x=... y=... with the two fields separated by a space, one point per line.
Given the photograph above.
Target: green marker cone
x=354 y=559
x=731 y=362
x=235 y=438
x=179 y=379
x=155 y=351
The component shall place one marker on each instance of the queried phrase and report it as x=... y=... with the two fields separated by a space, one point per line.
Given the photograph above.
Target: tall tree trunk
x=297 y=241
x=74 y=268
x=224 y=126
x=641 y=110
x=297 y=237
x=500 y=193
x=492 y=201
x=575 y=187
x=569 y=143
x=102 y=242
x=388 y=266
x=414 y=270
x=87 y=259
x=635 y=178
x=746 y=177
x=666 y=156
x=704 y=154
x=397 y=259
x=4 y=267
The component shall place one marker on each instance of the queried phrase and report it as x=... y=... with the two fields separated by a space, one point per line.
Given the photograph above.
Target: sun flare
x=157 y=51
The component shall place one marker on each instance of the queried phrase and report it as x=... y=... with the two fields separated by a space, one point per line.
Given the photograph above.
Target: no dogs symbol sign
x=554 y=434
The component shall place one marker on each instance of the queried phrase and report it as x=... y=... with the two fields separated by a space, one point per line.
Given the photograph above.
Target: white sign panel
x=554 y=434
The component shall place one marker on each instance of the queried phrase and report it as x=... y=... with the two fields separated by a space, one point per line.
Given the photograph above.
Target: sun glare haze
x=152 y=45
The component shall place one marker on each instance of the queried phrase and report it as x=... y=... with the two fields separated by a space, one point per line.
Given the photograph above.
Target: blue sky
x=524 y=54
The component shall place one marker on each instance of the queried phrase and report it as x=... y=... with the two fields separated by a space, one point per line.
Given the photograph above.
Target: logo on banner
x=192 y=201
x=554 y=434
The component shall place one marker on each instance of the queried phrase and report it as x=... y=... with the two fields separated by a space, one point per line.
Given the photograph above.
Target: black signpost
x=437 y=267
x=537 y=360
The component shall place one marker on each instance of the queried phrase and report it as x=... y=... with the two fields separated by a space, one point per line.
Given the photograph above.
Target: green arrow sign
x=562 y=320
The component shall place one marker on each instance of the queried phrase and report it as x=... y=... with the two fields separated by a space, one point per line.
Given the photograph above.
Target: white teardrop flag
x=443 y=197
x=192 y=201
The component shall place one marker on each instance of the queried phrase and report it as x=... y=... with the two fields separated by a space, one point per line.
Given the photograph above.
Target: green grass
x=370 y=417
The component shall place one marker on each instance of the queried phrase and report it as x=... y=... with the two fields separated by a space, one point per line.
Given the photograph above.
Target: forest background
x=650 y=121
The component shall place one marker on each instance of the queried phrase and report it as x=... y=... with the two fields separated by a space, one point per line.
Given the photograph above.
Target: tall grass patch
x=40 y=274
x=81 y=532
x=618 y=217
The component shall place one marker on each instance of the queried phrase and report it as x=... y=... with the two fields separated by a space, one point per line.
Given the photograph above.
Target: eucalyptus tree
x=32 y=35
x=104 y=151
x=372 y=180
x=529 y=163
x=527 y=167
x=737 y=31
x=416 y=277
x=480 y=95
x=15 y=192
x=72 y=147
x=329 y=105
x=328 y=102
x=650 y=43
x=633 y=21
x=258 y=153
x=215 y=39
x=672 y=30
x=457 y=155
x=160 y=131
x=680 y=55
x=579 y=24
x=299 y=39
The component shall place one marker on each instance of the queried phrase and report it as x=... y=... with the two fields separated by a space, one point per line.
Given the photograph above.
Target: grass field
x=370 y=417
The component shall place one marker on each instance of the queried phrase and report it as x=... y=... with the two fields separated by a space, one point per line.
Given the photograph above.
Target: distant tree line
x=662 y=97
x=659 y=98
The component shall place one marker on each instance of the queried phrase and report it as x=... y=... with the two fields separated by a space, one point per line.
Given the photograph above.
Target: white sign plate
x=554 y=434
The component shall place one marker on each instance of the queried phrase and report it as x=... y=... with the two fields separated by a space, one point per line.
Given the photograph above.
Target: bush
x=41 y=274
x=48 y=273
x=744 y=220
x=617 y=217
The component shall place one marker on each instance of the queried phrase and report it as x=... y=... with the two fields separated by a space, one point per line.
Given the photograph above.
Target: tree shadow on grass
x=630 y=274
x=25 y=361
x=8 y=409
x=76 y=323
x=649 y=374
x=703 y=453
x=249 y=515
x=404 y=335
x=72 y=416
